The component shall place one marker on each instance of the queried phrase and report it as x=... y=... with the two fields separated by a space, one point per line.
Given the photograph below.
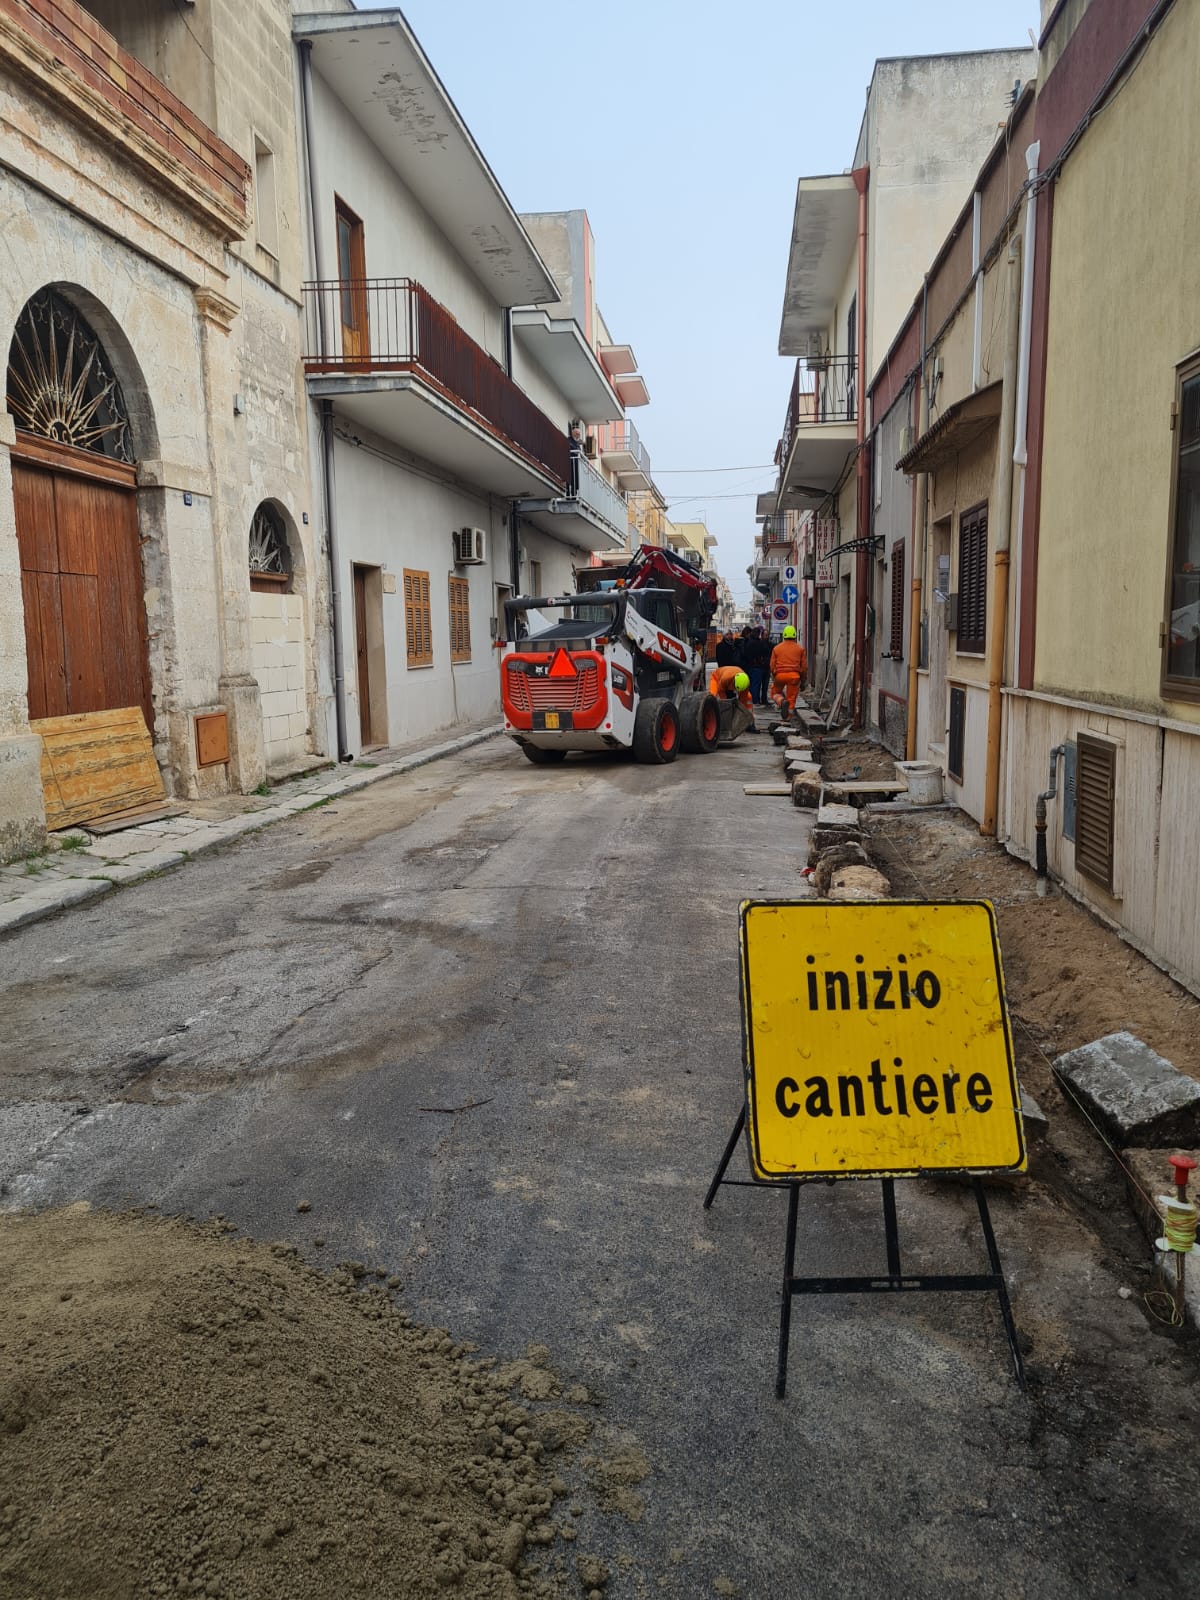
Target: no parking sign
x=780 y=612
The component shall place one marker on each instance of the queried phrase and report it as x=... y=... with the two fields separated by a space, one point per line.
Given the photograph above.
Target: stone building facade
x=154 y=442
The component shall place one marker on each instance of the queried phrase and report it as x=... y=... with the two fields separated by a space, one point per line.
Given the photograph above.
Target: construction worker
x=732 y=683
x=789 y=672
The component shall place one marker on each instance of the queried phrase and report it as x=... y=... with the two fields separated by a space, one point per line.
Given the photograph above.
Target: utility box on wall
x=212 y=739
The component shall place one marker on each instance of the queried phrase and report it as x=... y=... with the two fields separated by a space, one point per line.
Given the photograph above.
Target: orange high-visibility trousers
x=787 y=686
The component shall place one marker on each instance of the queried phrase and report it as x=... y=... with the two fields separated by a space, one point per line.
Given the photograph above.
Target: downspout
x=1005 y=469
x=329 y=496
x=862 y=564
x=1021 y=441
x=920 y=539
x=914 y=613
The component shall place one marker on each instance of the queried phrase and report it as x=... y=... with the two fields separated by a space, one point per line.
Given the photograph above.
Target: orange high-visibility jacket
x=788 y=660
x=721 y=684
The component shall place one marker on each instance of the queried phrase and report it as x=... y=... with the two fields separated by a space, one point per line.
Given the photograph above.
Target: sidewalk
x=78 y=866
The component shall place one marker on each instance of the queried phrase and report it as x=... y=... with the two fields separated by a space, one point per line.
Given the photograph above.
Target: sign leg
x=890 y=1230
x=1001 y=1286
x=726 y=1158
x=785 y=1305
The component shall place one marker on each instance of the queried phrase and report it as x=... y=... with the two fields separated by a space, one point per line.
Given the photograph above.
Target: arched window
x=60 y=383
x=270 y=553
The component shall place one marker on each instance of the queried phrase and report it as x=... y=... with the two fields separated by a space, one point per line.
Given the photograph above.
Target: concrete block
x=835 y=858
x=825 y=837
x=295 y=678
x=1137 y=1096
x=832 y=816
x=806 y=790
x=858 y=883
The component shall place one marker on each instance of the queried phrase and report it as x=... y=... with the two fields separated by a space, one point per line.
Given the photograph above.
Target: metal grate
x=958 y=734
x=1095 y=808
x=528 y=693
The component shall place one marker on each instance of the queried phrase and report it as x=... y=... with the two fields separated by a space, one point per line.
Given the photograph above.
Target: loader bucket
x=735 y=719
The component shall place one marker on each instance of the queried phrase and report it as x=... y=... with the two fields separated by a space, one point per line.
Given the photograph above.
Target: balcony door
x=352 y=291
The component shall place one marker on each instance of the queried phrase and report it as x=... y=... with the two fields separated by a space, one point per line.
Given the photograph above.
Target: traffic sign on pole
x=789 y=574
x=791 y=594
x=780 y=612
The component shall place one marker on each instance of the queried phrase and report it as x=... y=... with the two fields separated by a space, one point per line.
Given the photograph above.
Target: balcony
x=624 y=454
x=776 y=531
x=397 y=362
x=83 y=72
x=591 y=516
x=819 y=431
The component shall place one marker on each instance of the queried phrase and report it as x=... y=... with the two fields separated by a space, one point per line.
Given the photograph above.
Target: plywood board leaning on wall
x=95 y=763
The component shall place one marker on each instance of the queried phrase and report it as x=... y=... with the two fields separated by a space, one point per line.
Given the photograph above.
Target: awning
x=958 y=426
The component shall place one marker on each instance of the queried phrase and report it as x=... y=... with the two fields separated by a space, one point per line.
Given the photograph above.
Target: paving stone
x=1136 y=1095
x=832 y=816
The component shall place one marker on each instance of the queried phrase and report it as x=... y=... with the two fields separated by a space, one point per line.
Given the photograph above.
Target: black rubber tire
x=656 y=731
x=699 y=724
x=541 y=756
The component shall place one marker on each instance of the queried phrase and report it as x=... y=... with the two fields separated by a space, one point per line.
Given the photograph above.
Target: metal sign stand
x=896 y=1281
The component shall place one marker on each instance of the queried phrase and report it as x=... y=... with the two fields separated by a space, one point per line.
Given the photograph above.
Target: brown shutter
x=1095 y=808
x=972 y=581
x=418 y=626
x=460 y=619
x=896 y=644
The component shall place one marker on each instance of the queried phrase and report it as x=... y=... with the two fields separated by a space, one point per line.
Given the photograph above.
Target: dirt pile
x=1069 y=978
x=185 y=1414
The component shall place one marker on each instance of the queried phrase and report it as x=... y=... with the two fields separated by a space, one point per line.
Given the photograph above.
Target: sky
x=681 y=128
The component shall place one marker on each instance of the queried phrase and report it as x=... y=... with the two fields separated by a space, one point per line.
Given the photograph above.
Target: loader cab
x=538 y=623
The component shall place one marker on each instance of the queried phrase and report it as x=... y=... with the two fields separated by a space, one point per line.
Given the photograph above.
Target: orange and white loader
x=617 y=665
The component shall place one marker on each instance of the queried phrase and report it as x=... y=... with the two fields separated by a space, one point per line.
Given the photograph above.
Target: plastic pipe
x=1002 y=523
x=1049 y=793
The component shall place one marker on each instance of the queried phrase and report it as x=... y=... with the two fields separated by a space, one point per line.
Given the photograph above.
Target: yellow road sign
x=877 y=1040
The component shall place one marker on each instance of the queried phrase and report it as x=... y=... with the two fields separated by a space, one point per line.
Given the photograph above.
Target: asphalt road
x=485 y=1019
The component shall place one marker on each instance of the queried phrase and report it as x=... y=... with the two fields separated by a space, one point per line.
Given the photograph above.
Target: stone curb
x=47 y=899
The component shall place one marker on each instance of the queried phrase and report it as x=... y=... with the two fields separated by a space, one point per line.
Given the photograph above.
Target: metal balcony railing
x=621 y=439
x=823 y=390
x=596 y=492
x=388 y=325
x=775 y=531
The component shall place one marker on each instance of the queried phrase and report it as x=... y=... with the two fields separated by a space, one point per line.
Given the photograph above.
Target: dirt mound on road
x=181 y=1413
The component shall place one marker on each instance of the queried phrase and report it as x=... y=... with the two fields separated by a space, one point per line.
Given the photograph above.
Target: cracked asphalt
x=485 y=1019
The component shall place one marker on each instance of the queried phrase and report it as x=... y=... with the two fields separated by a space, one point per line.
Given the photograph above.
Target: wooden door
x=362 y=670
x=352 y=293
x=81 y=582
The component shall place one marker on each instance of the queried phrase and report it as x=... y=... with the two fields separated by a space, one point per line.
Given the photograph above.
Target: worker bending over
x=789 y=672
x=731 y=683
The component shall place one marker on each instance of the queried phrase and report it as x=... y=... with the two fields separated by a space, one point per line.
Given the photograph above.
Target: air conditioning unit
x=590 y=447
x=470 y=546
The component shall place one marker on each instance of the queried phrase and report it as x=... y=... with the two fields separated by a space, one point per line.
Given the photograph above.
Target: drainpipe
x=862 y=563
x=920 y=533
x=1040 y=819
x=1005 y=470
x=1029 y=241
x=327 y=479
